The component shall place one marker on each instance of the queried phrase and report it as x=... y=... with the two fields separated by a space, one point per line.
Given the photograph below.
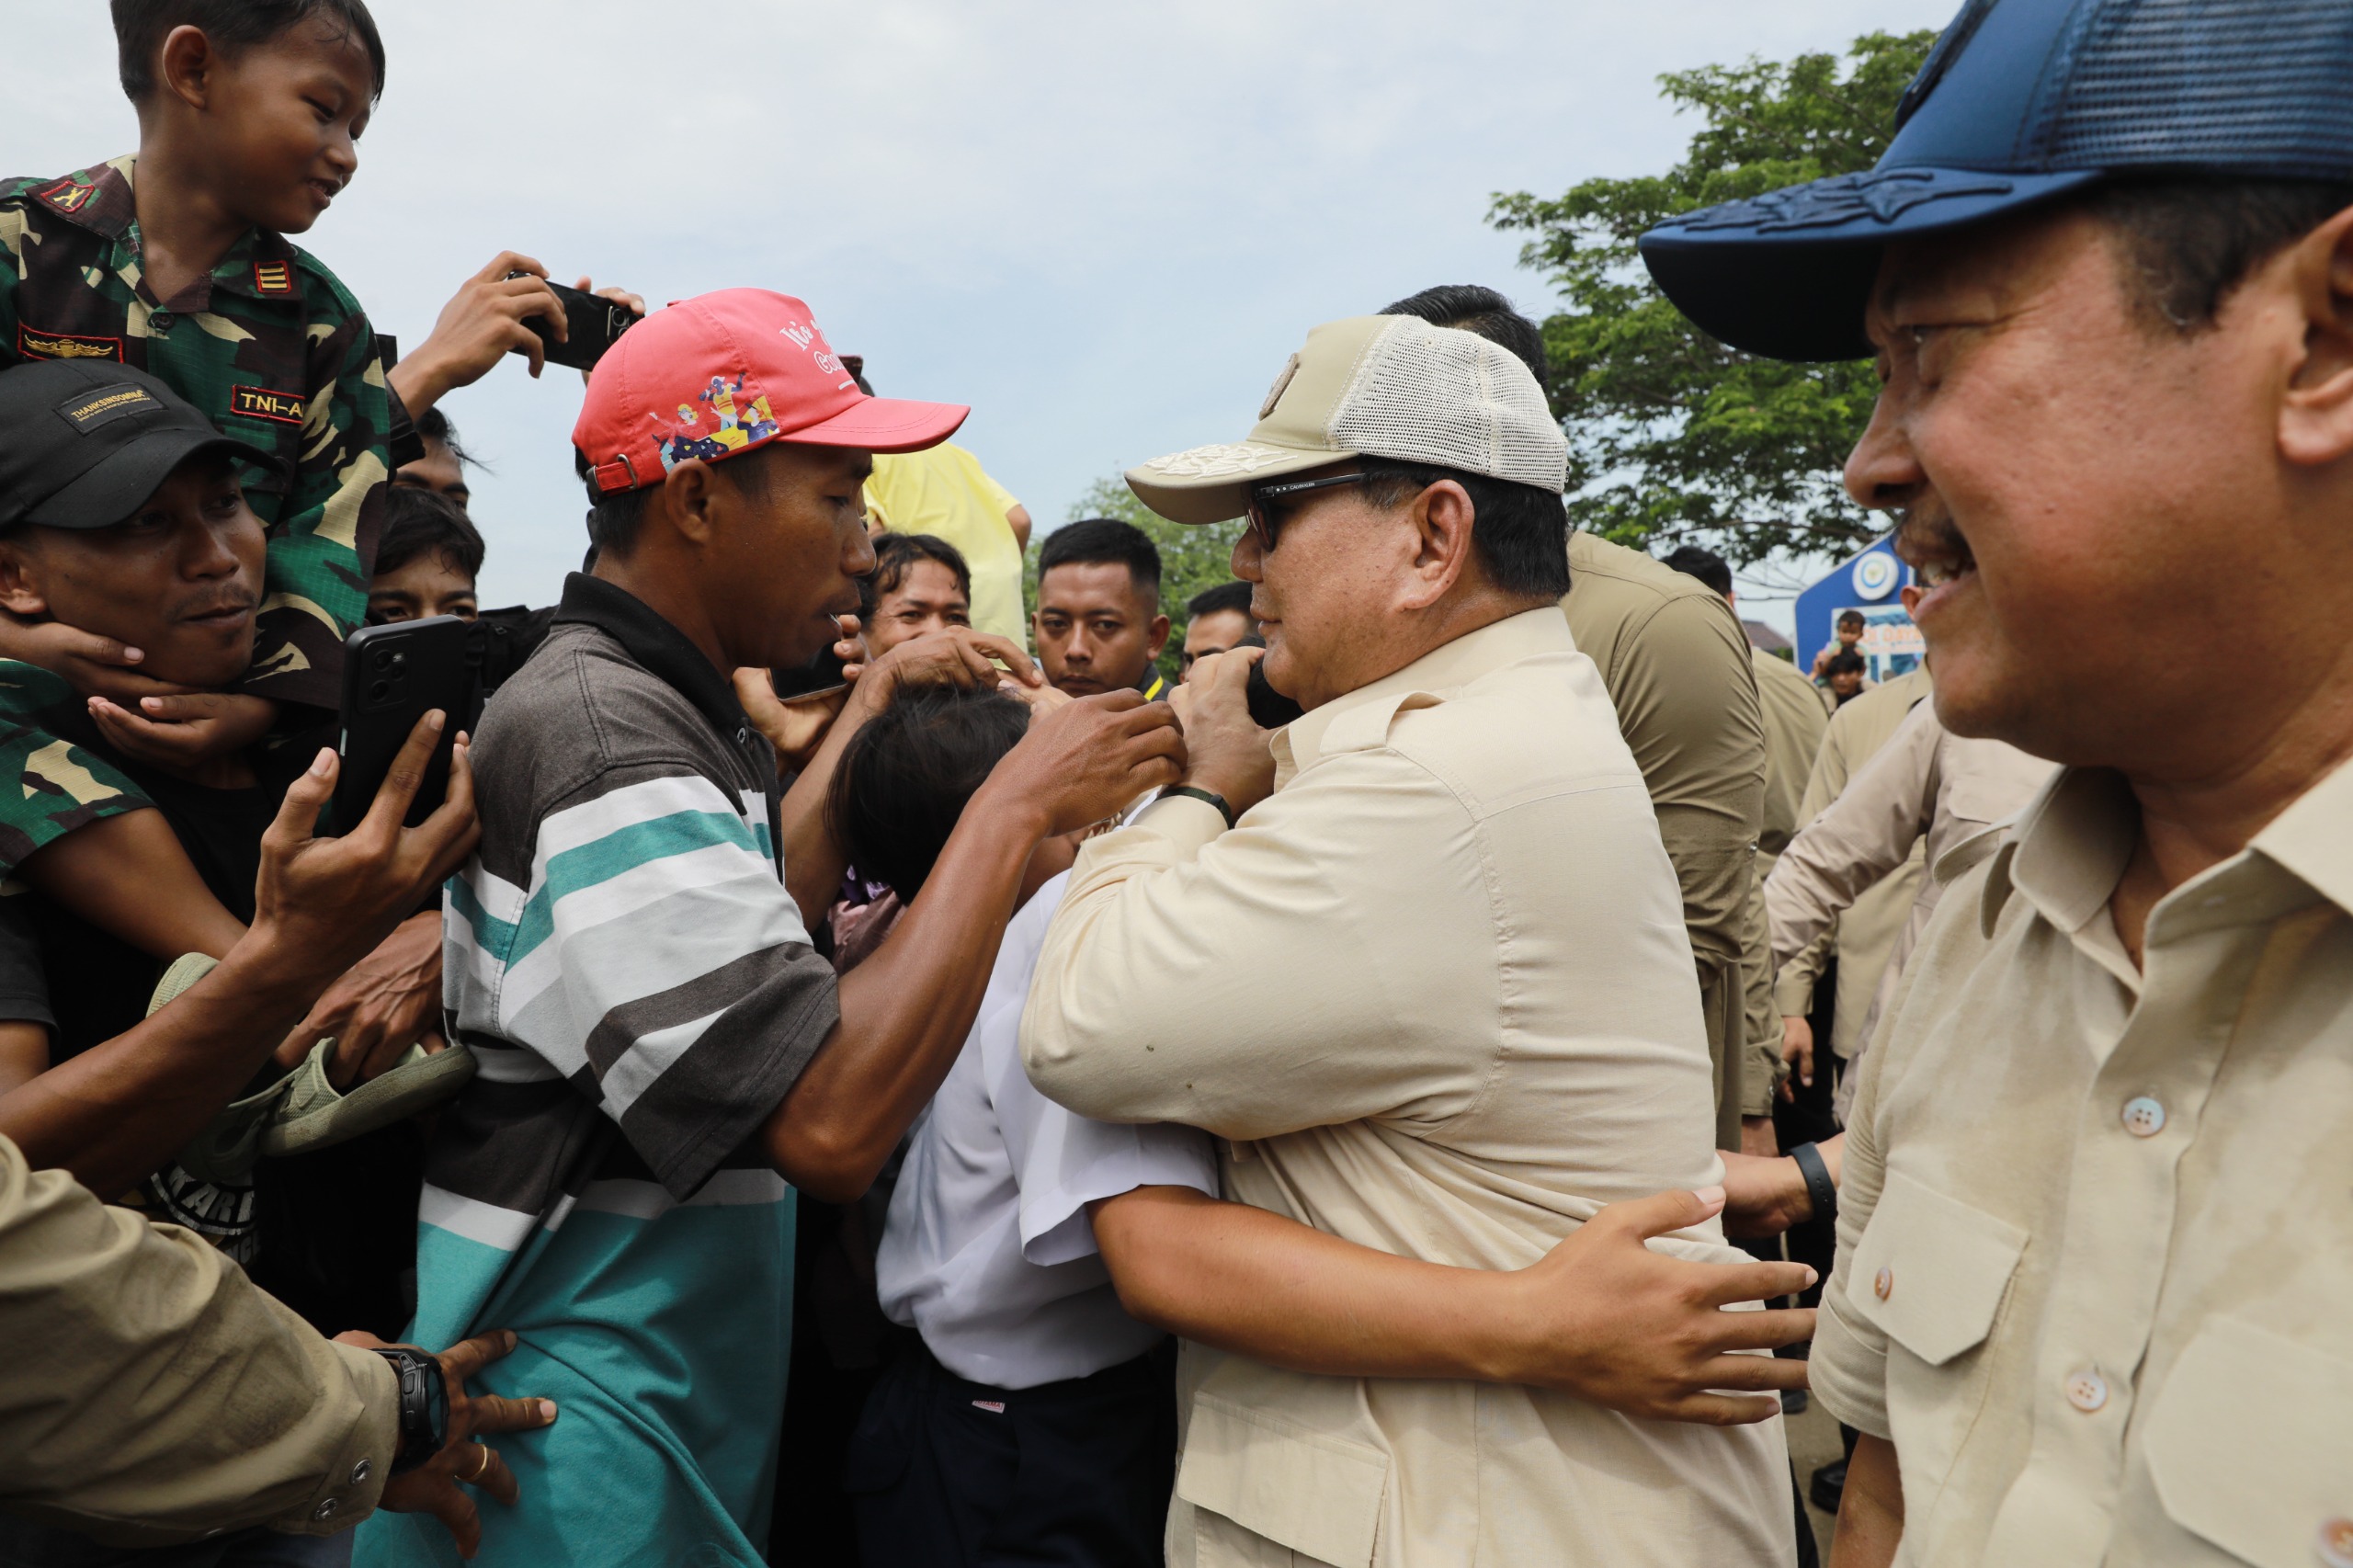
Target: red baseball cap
x=724 y=373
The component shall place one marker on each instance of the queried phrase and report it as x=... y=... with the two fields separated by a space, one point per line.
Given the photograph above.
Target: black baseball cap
x=83 y=443
x=2019 y=102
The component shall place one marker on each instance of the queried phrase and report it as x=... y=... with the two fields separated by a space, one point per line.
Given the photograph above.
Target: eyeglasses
x=1261 y=515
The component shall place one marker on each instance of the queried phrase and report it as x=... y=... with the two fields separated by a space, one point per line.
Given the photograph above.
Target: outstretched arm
x=1871 y=1510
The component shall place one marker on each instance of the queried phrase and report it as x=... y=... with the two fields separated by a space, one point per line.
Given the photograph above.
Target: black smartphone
x=821 y=674
x=392 y=676
x=592 y=324
x=1269 y=709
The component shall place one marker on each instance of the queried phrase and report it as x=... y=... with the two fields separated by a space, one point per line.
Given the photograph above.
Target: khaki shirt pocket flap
x=1930 y=1271
x=1312 y=1492
x=2250 y=1444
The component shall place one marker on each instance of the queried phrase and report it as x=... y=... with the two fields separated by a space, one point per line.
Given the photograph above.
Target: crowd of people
x=1427 y=1063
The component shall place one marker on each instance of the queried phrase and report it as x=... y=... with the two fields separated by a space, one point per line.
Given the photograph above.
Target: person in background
x=942 y=491
x=428 y=561
x=442 y=469
x=1098 y=626
x=1847 y=633
x=2094 y=1241
x=1216 y=620
x=1846 y=675
x=919 y=585
x=1676 y=662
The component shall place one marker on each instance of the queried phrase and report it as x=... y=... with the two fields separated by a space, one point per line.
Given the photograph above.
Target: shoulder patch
x=260 y=402
x=273 y=278
x=32 y=343
x=67 y=194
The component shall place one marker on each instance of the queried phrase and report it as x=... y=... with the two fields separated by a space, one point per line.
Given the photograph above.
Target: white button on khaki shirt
x=1436 y=991
x=2116 y=1206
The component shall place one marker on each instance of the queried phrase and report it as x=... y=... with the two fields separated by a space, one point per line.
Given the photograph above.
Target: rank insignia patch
x=260 y=402
x=66 y=196
x=32 y=343
x=273 y=278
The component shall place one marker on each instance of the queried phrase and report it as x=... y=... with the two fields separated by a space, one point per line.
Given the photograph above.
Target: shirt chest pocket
x=2250 y=1446
x=1931 y=1273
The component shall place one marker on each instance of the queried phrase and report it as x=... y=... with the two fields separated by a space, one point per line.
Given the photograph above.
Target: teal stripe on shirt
x=619 y=852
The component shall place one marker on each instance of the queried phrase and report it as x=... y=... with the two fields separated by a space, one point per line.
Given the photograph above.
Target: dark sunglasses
x=1260 y=506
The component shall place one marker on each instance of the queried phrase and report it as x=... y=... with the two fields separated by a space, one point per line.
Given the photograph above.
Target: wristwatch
x=424 y=1405
x=1818 y=1185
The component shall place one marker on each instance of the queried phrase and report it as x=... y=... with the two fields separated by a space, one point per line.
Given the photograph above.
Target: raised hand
x=1090 y=759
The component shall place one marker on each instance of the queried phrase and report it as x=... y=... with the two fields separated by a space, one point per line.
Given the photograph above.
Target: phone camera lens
x=385 y=659
x=379 y=690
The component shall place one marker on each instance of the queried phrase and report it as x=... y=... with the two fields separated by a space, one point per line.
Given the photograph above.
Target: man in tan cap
x=1419 y=957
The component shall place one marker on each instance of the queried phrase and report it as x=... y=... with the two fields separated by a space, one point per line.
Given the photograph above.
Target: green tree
x=1191 y=558
x=1671 y=434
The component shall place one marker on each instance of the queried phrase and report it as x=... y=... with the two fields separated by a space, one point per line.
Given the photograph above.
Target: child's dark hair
x=905 y=777
x=419 y=522
x=896 y=554
x=1851 y=617
x=434 y=429
x=141 y=26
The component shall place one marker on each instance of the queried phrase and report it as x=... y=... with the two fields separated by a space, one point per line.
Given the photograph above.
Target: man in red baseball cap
x=661 y=1050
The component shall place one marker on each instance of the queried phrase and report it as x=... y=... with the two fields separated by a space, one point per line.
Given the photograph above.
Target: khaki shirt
x=1866 y=931
x=1675 y=660
x=2095 y=1268
x=1796 y=716
x=1926 y=787
x=1435 y=992
x=152 y=1395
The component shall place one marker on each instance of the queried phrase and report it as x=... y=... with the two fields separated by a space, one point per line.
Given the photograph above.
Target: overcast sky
x=1105 y=227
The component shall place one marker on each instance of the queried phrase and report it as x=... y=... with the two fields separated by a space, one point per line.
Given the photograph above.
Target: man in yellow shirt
x=943 y=491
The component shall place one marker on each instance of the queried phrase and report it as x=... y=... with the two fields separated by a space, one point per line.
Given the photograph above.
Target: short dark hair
x=905 y=777
x=1519 y=533
x=615 y=516
x=141 y=26
x=424 y=522
x=1846 y=662
x=432 y=426
x=896 y=554
x=1698 y=561
x=1104 y=541
x=1218 y=600
x=1471 y=307
x=2189 y=239
x=1852 y=618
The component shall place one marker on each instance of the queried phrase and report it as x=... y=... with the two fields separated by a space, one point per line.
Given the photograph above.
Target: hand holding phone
x=392 y=677
x=592 y=324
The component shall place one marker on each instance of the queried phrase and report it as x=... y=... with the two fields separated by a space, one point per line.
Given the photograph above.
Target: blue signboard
x=1872 y=583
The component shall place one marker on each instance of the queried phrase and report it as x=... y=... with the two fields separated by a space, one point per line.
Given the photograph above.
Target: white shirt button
x=2087 y=1391
x=2144 y=1116
x=2334 y=1546
x=1883 y=1283
x=326 y=1510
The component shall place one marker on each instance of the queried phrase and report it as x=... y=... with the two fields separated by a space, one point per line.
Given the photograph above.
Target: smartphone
x=592 y=324
x=820 y=674
x=392 y=676
x=1269 y=709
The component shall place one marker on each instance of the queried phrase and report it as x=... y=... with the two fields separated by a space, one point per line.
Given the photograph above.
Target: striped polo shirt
x=624 y=961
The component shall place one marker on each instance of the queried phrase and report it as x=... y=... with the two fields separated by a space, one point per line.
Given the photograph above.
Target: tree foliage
x=1671 y=434
x=1191 y=558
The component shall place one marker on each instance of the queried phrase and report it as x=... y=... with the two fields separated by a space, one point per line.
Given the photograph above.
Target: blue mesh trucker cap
x=2021 y=100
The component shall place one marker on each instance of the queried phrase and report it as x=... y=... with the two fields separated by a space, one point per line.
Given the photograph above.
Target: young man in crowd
x=428 y=561
x=1098 y=626
x=1418 y=959
x=1845 y=675
x=920 y=586
x=2093 y=1243
x=1217 y=619
x=661 y=1051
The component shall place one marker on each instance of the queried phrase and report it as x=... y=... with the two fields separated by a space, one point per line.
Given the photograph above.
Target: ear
x=1157 y=638
x=694 y=502
x=20 y=590
x=186 y=66
x=2316 y=413
x=1440 y=518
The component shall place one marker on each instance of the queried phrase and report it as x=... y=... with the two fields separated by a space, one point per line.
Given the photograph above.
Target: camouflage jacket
x=270 y=346
x=49 y=786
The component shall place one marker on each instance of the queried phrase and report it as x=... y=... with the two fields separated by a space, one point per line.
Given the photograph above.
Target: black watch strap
x=1818 y=1185
x=424 y=1405
x=1198 y=794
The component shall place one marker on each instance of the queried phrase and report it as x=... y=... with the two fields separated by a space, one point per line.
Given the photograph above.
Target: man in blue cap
x=2096 y=1246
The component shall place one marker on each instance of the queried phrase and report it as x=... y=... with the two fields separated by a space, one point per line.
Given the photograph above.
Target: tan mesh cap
x=1389 y=387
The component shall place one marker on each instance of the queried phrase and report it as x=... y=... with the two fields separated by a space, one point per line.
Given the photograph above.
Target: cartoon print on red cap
x=733 y=434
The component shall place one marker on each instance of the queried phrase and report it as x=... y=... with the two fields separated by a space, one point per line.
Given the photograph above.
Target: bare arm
x=24 y=1052
x=1018 y=518
x=1601 y=1316
x=127 y=876
x=906 y=1011
x=1870 y=1511
x=118 y=1110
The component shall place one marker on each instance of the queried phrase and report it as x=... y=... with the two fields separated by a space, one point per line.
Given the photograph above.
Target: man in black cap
x=2097 y=1239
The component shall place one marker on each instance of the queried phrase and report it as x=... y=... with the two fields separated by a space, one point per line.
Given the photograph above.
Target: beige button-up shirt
x=1435 y=992
x=1866 y=931
x=154 y=1395
x=2095 y=1266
